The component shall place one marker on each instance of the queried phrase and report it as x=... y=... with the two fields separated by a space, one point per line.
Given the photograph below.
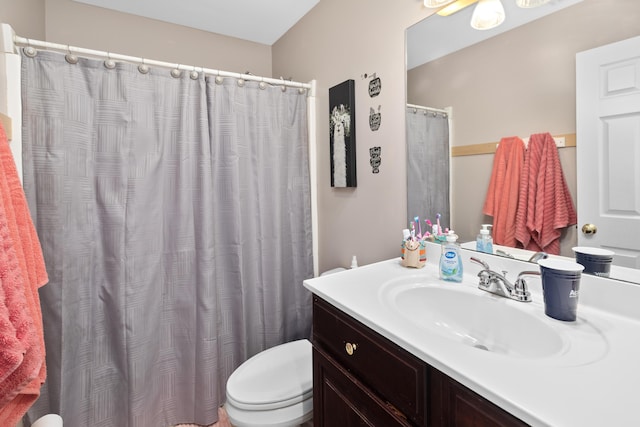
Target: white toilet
x=274 y=388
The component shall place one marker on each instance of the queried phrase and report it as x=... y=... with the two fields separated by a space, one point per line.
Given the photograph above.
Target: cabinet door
x=340 y=400
x=394 y=374
x=454 y=405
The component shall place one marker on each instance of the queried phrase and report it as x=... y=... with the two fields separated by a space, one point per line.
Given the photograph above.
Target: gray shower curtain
x=428 y=166
x=174 y=217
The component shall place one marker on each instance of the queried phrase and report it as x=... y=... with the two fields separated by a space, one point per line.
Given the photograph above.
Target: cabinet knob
x=350 y=348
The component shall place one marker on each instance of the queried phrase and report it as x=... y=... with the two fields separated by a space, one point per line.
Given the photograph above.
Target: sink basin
x=476 y=319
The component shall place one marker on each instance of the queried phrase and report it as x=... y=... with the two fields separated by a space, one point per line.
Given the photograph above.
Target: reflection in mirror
x=519 y=83
x=428 y=163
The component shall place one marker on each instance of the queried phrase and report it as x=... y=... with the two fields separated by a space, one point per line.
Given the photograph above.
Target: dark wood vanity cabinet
x=361 y=378
x=452 y=404
x=345 y=401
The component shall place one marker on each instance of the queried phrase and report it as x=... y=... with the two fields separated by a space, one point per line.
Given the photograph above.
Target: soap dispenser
x=484 y=241
x=450 y=261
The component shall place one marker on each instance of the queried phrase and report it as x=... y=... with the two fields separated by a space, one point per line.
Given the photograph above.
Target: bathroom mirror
x=527 y=85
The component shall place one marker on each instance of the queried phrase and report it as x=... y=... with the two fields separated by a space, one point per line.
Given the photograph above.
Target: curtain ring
x=29 y=50
x=70 y=57
x=262 y=85
x=194 y=74
x=143 y=68
x=176 y=71
x=240 y=82
x=284 y=86
x=219 y=79
x=109 y=63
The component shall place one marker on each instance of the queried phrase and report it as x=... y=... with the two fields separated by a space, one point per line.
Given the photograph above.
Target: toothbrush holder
x=413 y=253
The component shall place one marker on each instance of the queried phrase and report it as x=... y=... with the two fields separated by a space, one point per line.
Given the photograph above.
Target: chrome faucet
x=538 y=256
x=498 y=284
x=504 y=253
x=534 y=258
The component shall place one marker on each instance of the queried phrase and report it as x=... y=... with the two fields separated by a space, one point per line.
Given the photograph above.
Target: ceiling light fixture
x=454 y=7
x=530 y=3
x=436 y=3
x=487 y=14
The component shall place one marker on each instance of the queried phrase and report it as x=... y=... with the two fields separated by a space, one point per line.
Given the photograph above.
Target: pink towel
x=11 y=349
x=501 y=201
x=16 y=297
x=545 y=206
x=22 y=272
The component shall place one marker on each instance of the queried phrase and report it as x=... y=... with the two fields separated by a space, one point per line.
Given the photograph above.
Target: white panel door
x=608 y=148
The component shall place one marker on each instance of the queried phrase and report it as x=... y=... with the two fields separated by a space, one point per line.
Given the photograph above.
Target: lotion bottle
x=450 y=261
x=484 y=241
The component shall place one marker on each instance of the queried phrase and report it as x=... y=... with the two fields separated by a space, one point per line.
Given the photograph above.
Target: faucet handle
x=521 y=291
x=481 y=262
x=528 y=273
x=538 y=256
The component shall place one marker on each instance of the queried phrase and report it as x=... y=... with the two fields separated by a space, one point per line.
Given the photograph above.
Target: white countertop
x=596 y=382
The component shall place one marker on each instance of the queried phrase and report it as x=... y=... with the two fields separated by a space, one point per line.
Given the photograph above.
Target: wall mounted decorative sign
x=342 y=131
x=375 y=86
x=375 y=159
x=375 y=118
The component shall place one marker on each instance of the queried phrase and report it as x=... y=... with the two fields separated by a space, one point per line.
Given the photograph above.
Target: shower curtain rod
x=25 y=42
x=420 y=107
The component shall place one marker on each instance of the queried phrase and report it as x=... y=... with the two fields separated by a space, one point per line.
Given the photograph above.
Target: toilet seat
x=274 y=386
x=290 y=416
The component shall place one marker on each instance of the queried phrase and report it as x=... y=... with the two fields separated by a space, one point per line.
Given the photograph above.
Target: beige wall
x=78 y=24
x=74 y=23
x=518 y=83
x=25 y=16
x=336 y=41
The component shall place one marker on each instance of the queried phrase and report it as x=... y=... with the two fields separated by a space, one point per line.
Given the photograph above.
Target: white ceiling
x=437 y=36
x=260 y=21
x=265 y=21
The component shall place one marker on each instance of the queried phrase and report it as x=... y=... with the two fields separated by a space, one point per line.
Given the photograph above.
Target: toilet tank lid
x=280 y=374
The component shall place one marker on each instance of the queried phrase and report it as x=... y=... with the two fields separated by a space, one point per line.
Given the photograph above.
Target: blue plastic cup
x=560 y=288
x=596 y=261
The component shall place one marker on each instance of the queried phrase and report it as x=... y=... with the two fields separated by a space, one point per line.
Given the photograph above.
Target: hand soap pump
x=450 y=261
x=484 y=241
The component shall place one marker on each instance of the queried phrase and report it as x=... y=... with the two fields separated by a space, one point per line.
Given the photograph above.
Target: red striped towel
x=545 y=206
x=501 y=201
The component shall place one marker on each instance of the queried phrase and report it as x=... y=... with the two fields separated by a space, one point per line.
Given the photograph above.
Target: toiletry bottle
x=450 y=262
x=484 y=241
